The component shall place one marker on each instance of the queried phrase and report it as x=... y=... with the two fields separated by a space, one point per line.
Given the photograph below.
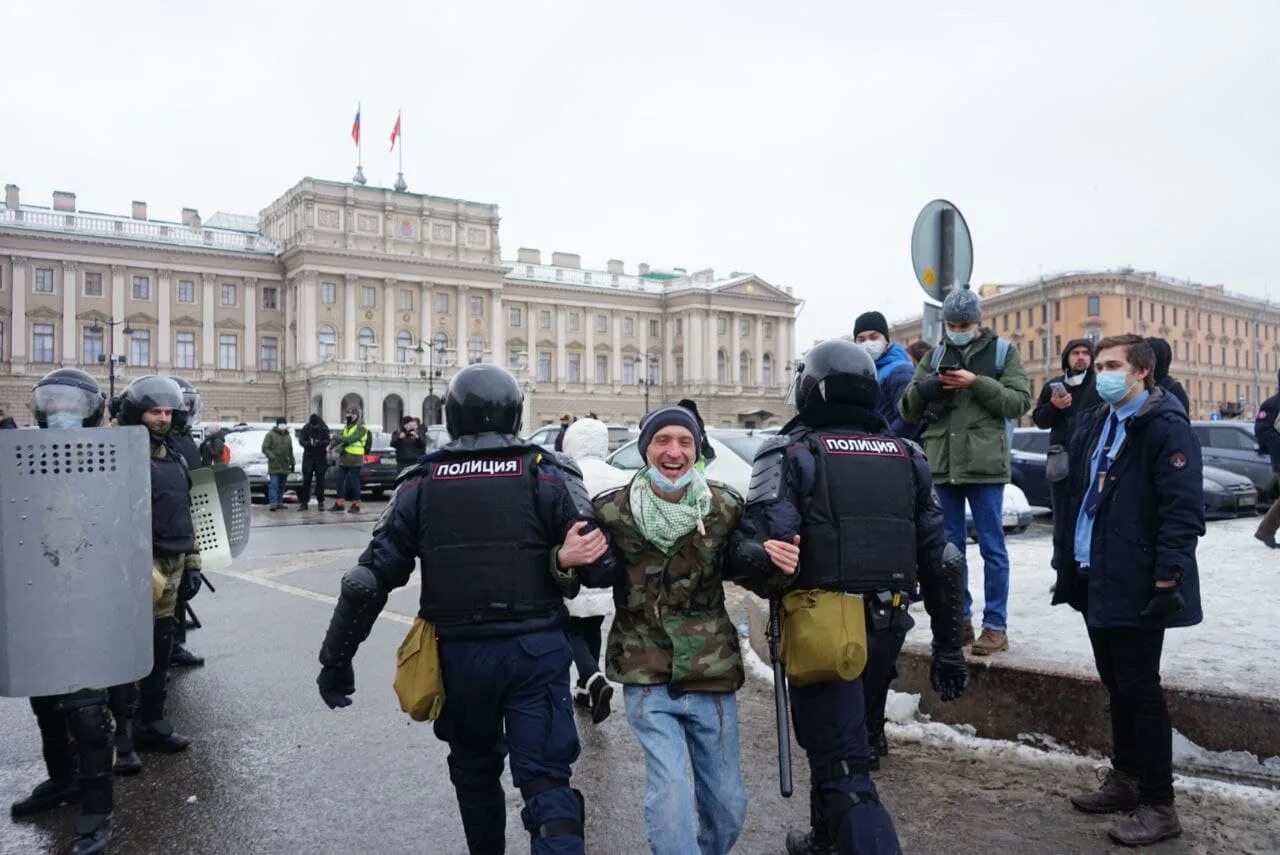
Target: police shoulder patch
x=1178 y=460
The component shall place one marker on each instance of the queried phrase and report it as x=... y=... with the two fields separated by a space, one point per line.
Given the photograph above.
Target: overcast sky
x=794 y=140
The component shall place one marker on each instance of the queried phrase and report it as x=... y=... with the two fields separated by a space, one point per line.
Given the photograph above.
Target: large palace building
x=339 y=294
x=1226 y=347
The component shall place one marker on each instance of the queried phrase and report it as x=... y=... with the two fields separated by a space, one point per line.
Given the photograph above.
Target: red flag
x=395 y=133
x=355 y=127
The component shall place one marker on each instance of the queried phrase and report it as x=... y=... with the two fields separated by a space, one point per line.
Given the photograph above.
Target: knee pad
x=562 y=813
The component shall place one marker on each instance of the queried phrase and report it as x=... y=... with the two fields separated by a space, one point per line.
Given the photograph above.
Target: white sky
x=797 y=141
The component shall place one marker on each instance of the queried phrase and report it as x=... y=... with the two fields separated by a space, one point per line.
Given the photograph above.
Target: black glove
x=337 y=684
x=949 y=673
x=1165 y=602
x=931 y=388
x=190 y=585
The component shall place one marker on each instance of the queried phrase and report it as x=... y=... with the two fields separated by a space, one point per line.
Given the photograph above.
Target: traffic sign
x=941 y=249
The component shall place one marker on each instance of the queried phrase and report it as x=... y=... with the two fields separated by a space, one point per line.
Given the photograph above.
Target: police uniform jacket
x=1149 y=520
x=484 y=523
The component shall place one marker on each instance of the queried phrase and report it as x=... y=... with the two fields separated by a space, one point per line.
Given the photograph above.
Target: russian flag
x=355 y=127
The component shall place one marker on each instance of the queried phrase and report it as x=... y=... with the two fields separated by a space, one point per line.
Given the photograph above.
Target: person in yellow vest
x=353 y=443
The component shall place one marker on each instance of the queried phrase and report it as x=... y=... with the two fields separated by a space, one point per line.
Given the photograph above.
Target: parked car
x=245 y=445
x=619 y=435
x=728 y=467
x=1027 y=456
x=1230 y=445
x=745 y=443
x=377 y=475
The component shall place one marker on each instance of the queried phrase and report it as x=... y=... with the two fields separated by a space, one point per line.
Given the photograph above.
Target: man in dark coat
x=894 y=370
x=1135 y=515
x=1264 y=431
x=408 y=443
x=1164 y=359
x=1061 y=400
x=314 y=439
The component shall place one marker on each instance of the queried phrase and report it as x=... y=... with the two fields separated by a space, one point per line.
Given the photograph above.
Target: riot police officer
x=183 y=421
x=151 y=401
x=501 y=529
x=862 y=503
x=75 y=728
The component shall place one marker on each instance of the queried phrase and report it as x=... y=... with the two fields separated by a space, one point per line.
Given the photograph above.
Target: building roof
x=653 y=281
x=232 y=222
x=116 y=227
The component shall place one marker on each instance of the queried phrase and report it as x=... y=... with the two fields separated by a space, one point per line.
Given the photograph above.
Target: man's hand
x=958 y=378
x=785 y=556
x=581 y=547
x=337 y=684
x=1061 y=400
x=1165 y=602
x=949 y=673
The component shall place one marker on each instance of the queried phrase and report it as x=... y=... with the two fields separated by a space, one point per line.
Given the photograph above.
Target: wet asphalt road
x=272 y=769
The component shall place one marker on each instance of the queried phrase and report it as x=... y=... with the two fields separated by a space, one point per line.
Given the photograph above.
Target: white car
x=245 y=445
x=1017 y=512
x=728 y=467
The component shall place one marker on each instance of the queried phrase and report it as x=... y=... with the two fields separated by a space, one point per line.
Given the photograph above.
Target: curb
x=1006 y=702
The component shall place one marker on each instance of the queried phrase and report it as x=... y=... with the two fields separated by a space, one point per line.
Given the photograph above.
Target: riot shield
x=220 y=512
x=75 y=559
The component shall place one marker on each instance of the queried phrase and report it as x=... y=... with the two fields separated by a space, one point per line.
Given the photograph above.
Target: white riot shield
x=220 y=512
x=75 y=559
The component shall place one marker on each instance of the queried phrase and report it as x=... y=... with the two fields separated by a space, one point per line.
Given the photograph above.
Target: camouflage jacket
x=671 y=625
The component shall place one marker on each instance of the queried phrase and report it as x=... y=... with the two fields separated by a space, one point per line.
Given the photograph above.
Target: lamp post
x=431 y=374
x=110 y=358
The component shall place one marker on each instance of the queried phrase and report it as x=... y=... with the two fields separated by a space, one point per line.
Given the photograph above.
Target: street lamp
x=111 y=359
x=436 y=347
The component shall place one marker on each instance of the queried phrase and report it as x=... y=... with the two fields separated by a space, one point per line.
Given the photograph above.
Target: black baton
x=780 y=700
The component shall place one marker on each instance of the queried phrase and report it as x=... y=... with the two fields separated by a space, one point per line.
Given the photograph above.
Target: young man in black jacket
x=314 y=439
x=408 y=443
x=1125 y=554
x=1061 y=400
x=1268 y=438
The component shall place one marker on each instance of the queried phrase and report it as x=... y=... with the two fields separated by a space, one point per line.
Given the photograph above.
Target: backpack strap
x=1002 y=354
x=935 y=355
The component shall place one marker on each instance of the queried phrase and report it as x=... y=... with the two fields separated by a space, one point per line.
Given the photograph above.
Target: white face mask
x=1073 y=379
x=874 y=347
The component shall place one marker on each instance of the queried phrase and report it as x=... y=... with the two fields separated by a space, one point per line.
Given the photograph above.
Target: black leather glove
x=1165 y=602
x=337 y=684
x=931 y=388
x=949 y=673
x=190 y=585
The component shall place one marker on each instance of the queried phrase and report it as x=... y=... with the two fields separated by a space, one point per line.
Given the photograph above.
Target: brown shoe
x=1118 y=794
x=967 y=638
x=1147 y=825
x=991 y=641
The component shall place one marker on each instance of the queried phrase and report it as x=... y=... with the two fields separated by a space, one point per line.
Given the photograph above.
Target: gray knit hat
x=962 y=306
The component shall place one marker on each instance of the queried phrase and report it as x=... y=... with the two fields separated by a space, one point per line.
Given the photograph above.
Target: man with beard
x=1061 y=400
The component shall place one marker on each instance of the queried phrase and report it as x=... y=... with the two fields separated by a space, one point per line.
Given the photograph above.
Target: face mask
x=960 y=339
x=1075 y=379
x=1112 y=386
x=875 y=348
x=64 y=421
x=665 y=484
x=282 y=429
x=160 y=428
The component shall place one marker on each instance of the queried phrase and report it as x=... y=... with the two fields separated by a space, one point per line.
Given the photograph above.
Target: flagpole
x=401 y=184
x=359 y=176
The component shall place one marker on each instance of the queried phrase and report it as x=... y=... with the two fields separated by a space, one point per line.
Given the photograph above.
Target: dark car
x=1226 y=494
x=1230 y=445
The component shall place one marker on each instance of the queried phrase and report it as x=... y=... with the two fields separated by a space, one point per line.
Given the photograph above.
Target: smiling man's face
x=672 y=451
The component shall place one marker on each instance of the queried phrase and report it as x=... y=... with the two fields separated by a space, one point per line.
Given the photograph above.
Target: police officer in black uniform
x=183 y=421
x=151 y=401
x=862 y=502
x=75 y=729
x=489 y=517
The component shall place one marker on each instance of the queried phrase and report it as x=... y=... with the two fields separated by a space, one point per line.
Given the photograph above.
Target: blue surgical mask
x=665 y=484
x=64 y=421
x=960 y=339
x=1112 y=386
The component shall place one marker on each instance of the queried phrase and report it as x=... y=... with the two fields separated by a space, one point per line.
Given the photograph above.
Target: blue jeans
x=698 y=729
x=275 y=489
x=349 y=483
x=987 y=503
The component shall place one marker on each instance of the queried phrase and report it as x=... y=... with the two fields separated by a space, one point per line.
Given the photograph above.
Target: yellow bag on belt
x=419 y=684
x=824 y=636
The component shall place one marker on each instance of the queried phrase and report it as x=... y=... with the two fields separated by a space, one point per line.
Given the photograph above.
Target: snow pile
x=1229 y=652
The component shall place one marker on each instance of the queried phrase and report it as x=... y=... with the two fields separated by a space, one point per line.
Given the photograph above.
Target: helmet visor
x=69 y=402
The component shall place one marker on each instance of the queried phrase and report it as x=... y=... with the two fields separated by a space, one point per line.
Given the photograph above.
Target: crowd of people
x=856 y=509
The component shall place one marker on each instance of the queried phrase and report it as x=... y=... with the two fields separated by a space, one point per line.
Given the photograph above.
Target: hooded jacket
x=314 y=439
x=587 y=442
x=894 y=372
x=1164 y=358
x=1084 y=397
x=1264 y=428
x=1149 y=520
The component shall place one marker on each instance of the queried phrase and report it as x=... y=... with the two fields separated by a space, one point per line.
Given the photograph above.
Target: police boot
x=127 y=762
x=184 y=658
x=879 y=748
x=815 y=841
x=47 y=795
x=93 y=833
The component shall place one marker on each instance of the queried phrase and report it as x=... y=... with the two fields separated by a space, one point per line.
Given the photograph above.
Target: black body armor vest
x=485 y=552
x=859 y=531
x=172 y=531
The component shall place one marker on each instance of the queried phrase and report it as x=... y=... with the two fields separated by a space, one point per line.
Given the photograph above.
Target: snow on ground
x=1232 y=651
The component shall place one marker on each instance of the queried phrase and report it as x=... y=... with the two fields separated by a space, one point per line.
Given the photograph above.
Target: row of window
x=141 y=290
x=139 y=348
x=1146 y=312
x=1199 y=353
x=573 y=368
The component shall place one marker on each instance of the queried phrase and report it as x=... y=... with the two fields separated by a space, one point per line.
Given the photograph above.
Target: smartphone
x=948 y=370
x=1057 y=387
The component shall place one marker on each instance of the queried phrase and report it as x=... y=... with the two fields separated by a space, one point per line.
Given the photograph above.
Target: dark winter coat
x=1083 y=398
x=1164 y=359
x=314 y=439
x=1148 y=524
x=1264 y=429
x=894 y=372
x=408 y=447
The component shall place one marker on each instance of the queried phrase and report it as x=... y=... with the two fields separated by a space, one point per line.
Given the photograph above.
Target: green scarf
x=663 y=523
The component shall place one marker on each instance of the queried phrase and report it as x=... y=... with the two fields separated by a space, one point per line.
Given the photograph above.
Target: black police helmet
x=837 y=372
x=483 y=398
x=190 y=399
x=68 y=391
x=146 y=393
